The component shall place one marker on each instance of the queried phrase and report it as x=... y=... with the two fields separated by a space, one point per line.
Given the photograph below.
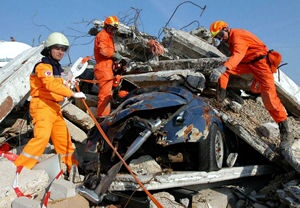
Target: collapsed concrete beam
x=252 y=140
x=186 y=45
x=14 y=81
x=202 y=65
x=195 y=81
x=77 y=116
x=180 y=179
x=76 y=133
x=289 y=92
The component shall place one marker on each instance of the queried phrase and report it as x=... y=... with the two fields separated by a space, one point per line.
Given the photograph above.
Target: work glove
x=78 y=95
x=216 y=73
x=117 y=56
x=71 y=83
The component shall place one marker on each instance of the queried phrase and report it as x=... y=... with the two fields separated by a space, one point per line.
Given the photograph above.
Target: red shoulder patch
x=48 y=73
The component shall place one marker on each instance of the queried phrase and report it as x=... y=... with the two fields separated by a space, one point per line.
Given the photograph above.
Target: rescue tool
x=78 y=68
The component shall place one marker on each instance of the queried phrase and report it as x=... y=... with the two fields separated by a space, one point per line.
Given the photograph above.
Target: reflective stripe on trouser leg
x=26 y=160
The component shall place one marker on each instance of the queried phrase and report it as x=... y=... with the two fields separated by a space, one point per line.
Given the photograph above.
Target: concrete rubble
x=187 y=61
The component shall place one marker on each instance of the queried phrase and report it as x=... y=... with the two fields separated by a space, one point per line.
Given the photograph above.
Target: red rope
x=118 y=154
x=156 y=48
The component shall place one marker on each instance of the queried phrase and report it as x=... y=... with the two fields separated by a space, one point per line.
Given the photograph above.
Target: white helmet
x=56 y=38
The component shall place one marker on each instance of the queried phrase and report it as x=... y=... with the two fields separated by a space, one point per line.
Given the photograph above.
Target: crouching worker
x=47 y=89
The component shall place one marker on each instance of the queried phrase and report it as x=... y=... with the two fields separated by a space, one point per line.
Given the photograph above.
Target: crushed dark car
x=163 y=122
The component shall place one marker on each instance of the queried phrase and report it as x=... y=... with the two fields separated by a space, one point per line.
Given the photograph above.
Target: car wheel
x=211 y=150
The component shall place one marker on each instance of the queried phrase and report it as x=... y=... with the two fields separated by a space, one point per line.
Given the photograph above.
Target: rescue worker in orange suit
x=249 y=56
x=105 y=55
x=47 y=89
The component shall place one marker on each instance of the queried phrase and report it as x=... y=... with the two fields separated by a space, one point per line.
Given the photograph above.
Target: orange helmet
x=216 y=27
x=113 y=21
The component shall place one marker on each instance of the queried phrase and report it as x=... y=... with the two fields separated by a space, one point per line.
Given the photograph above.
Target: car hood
x=150 y=99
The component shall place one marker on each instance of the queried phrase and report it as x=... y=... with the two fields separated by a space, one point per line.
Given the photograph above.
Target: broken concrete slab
x=203 y=65
x=195 y=81
x=288 y=91
x=179 y=41
x=251 y=139
x=16 y=74
x=76 y=133
x=145 y=165
x=33 y=182
x=221 y=198
x=61 y=189
x=166 y=200
x=292 y=155
x=203 y=33
x=30 y=182
x=7 y=172
x=51 y=165
x=77 y=116
x=25 y=202
x=187 y=178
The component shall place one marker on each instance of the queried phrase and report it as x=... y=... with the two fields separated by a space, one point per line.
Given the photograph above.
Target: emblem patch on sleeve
x=48 y=73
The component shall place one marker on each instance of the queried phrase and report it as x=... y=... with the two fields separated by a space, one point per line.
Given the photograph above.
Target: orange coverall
x=47 y=90
x=245 y=47
x=104 y=49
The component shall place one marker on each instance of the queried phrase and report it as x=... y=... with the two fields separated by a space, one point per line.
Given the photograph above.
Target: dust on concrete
x=253 y=114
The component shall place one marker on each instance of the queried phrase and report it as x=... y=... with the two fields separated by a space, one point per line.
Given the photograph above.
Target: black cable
x=202 y=8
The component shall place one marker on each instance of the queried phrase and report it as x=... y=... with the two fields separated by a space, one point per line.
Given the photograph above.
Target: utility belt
x=273 y=59
x=259 y=58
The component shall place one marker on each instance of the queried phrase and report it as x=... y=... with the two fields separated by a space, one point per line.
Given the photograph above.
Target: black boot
x=285 y=135
x=221 y=94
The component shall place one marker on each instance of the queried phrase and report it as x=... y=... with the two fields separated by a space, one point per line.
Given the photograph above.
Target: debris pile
x=186 y=61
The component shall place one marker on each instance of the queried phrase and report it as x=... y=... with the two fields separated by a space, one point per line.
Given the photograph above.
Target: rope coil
x=156 y=48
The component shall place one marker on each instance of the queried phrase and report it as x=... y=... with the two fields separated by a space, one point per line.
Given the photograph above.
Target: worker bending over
x=249 y=55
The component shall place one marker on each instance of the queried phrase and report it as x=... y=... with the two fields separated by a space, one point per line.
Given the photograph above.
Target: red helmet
x=113 y=21
x=216 y=27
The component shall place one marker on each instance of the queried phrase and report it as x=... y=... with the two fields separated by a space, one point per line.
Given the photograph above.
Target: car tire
x=211 y=150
